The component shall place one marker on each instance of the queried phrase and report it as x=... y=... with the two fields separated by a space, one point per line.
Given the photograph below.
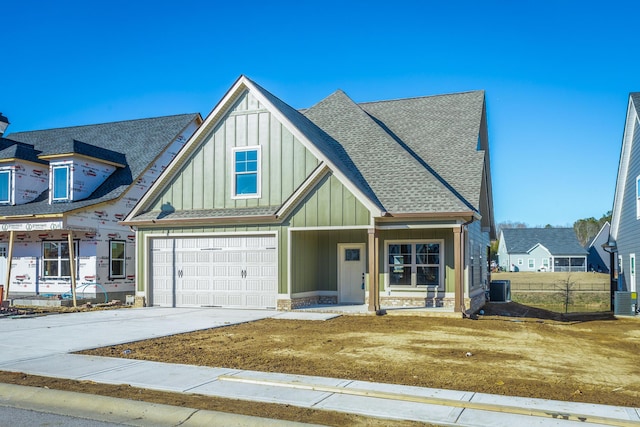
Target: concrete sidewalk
x=41 y=346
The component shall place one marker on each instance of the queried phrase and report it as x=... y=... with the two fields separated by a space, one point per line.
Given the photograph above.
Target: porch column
x=458 y=266
x=374 y=285
x=9 y=261
x=72 y=266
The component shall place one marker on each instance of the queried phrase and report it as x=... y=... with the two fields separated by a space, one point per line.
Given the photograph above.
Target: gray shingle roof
x=74 y=146
x=402 y=180
x=559 y=241
x=16 y=150
x=194 y=214
x=413 y=155
x=141 y=141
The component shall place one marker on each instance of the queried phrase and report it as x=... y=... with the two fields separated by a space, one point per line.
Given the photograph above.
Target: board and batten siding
x=315 y=264
x=628 y=239
x=329 y=204
x=205 y=180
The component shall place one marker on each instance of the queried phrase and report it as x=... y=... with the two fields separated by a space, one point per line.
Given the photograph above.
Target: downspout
x=610 y=248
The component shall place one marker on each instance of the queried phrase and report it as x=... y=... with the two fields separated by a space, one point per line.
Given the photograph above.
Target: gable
x=329 y=203
x=205 y=179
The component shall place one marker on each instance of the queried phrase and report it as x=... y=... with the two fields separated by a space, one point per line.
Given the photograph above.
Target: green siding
x=205 y=179
x=330 y=204
x=315 y=267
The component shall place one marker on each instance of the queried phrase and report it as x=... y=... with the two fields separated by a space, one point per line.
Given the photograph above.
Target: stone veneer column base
x=294 y=303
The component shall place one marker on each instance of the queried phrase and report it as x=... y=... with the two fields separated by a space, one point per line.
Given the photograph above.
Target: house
x=385 y=203
x=598 y=259
x=541 y=249
x=62 y=194
x=624 y=239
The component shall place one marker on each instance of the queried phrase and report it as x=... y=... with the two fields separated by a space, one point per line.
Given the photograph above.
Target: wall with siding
x=205 y=180
x=477 y=256
x=628 y=240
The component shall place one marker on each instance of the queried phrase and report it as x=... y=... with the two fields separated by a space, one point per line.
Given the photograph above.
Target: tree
x=587 y=228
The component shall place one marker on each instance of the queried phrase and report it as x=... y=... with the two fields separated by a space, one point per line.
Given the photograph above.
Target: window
x=5 y=186
x=532 y=263
x=416 y=264
x=116 y=259
x=352 y=254
x=520 y=261
x=545 y=264
x=55 y=258
x=246 y=169
x=60 y=183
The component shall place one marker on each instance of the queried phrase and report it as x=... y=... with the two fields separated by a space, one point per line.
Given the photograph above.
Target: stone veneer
x=292 y=304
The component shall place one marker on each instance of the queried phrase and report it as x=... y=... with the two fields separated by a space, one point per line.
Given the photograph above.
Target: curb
x=124 y=411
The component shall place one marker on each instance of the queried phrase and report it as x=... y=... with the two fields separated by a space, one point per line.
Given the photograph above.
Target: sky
x=556 y=74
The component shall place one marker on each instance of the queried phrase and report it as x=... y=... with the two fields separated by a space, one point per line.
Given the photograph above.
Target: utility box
x=625 y=303
x=500 y=291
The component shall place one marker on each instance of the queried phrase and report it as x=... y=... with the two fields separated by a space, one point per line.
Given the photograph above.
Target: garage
x=217 y=271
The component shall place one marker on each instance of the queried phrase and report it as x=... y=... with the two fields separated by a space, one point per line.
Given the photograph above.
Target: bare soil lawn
x=514 y=350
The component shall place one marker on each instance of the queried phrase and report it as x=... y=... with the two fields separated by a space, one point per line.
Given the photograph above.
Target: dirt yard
x=586 y=358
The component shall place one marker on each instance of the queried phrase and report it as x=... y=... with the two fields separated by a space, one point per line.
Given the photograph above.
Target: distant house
x=386 y=203
x=63 y=193
x=624 y=236
x=598 y=259
x=541 y=249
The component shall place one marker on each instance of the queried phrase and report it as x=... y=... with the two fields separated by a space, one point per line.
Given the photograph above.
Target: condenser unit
x=500 y=291
x=625 y=303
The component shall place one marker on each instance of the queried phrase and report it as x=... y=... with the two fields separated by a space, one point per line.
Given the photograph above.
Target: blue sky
x=557 y=74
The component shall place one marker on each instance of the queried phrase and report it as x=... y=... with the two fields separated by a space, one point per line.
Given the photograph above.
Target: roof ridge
x=422 y=97
x=101 y=124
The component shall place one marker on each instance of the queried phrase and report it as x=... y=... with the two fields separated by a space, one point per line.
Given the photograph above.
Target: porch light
x=4 y=122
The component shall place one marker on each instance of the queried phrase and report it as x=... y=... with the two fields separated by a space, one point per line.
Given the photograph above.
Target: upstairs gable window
x=60 y=182
x=246 y=170
x=5 y=187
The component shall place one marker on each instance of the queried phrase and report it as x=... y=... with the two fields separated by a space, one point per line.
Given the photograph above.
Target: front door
x=351 y=266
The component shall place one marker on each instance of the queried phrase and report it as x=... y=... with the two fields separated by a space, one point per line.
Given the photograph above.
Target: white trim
x=232 y=168
x=330 y=227
x=10 y=190
x=68 y=167
x=370 y=205
x=416 y=226
x=399 y=288
x=623 y=167
x=321 y=170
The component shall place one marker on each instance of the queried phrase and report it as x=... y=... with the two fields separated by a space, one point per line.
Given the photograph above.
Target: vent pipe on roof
x=4 y=122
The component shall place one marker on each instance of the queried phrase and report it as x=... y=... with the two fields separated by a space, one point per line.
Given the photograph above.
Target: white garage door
x=229 y=271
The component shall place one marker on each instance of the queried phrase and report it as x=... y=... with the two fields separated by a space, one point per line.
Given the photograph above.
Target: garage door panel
x=234 y=271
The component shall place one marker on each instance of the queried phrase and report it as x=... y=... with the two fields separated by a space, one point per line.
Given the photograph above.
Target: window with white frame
x=545 y=263
x=116 y=259
x=532 y=263
x=415 y=264
x=5 y=186
x=520 y=261
x=60 y=182
x=246 y=172
x=56 y=258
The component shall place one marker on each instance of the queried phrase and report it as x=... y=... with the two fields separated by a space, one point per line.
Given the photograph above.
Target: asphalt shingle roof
x=415 y=155
x=140 y=141
x=559 y=241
